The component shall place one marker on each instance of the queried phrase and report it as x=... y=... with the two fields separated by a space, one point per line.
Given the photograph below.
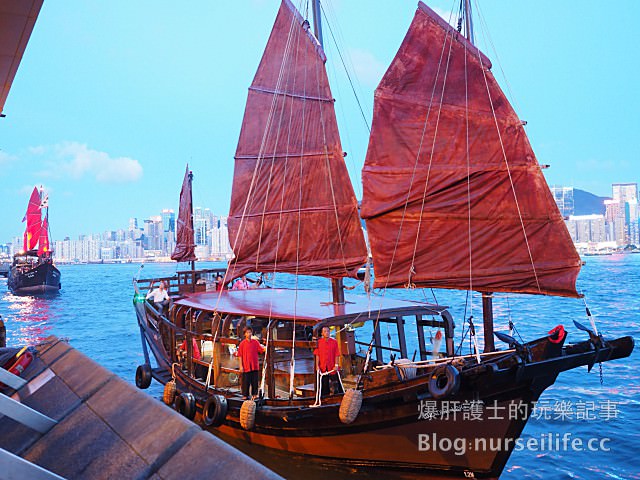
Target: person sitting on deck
x=249 y=364
x=160 y=297
x=241 y=283
x=328 y=362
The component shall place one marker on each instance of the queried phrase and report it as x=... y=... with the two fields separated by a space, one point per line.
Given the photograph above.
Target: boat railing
x=144 y=285
x=191 y=281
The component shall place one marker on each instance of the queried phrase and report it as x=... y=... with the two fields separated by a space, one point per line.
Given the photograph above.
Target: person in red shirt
x=194 y=344
x=328 y=357
x=199 y=369
x=249 y=364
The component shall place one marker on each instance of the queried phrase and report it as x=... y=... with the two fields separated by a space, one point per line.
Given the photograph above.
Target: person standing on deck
x=241 y=284
x=328 y=357
x=219 y=283
x=249 y=364
x=160 y=297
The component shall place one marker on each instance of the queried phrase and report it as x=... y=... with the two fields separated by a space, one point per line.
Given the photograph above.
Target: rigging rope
x=506 y=162
x=364 y=118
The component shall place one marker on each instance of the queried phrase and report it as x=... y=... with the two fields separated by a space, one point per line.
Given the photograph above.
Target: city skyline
x=118 y=116
x=154 y=237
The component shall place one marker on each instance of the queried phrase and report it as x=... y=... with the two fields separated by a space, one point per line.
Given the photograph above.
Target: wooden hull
x=394 y=429
x=41 y=279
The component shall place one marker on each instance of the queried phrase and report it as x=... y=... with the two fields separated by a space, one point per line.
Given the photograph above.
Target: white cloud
x=37 y=150
x=5 y=158
x=368 y=68
x=77 y=160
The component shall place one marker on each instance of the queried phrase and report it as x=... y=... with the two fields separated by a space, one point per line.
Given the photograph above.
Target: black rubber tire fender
x=185 y=405
x=143 y=376
x=214 y=411
x=444 y=381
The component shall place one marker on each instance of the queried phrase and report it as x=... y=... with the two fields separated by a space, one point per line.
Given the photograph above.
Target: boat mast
x=487 y=297
x=317 y=22
x=468 y=22
x=337 y=286
x=193 y=262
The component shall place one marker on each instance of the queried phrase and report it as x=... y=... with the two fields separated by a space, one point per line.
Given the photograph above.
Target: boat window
x=431 y=339
x=388 y=339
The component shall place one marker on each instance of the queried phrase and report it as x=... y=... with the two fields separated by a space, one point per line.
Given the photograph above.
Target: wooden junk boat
x=32 y=271
x=453 y=198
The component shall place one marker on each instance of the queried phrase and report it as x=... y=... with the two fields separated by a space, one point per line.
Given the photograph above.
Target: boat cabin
x=203 y=330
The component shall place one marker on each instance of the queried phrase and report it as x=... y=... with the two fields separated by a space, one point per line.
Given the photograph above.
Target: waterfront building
x=622 y=214
x=153 y=233
x=564 y=199
x=587 y=228
x=201 y=225
x=168 y=231
x=220 y=244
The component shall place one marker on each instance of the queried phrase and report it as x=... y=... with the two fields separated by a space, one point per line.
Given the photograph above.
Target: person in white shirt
x=160 y=297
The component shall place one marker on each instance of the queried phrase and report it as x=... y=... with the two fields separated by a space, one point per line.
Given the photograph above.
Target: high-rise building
x=626 y=213
x=587 y=228
x=220 y=247
x=153 y=233
x=625 y=192
x=201 y=225
x=168 y=231
x=564 y=199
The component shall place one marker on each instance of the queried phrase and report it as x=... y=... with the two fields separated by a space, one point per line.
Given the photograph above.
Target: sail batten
x=453 y=195
x=293 y=208
x=283 y=93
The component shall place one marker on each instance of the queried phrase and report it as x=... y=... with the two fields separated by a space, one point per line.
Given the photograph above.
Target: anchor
x=522 y=350
x=596 y=340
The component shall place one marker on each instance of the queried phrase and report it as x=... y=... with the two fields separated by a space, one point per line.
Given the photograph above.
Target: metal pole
x=317 y=22
x=193 y=263
x=487 y=318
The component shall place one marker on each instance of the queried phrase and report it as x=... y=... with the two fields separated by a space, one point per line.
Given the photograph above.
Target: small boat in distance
x=32 y=271
x=5 y=264
x=453 y=198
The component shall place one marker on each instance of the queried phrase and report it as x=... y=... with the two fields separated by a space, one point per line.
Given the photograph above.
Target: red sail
x=17 y=18
x=34 y=221
x=43 y=244
x=293 y=208
x=453 y=195
x=185 y=244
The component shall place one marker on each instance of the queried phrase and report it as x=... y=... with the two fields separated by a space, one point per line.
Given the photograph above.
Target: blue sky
x=113 y=98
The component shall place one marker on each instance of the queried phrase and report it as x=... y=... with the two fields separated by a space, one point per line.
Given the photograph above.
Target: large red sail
x=453 y=194
x=185 y=244
x=17 y=18
x=34 y=221
x=44 y=248
x=293 y=208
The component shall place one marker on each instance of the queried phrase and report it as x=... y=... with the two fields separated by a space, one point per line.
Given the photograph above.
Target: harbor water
x=94 y=312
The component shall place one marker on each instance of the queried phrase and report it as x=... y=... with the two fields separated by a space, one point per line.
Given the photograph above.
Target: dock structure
x=71 y=418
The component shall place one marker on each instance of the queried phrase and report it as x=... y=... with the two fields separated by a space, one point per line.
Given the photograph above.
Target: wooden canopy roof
x=307 y=306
